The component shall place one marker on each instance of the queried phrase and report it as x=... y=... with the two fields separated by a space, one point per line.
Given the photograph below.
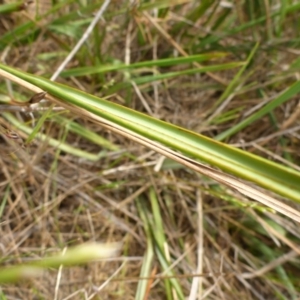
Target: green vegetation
x=210 y=89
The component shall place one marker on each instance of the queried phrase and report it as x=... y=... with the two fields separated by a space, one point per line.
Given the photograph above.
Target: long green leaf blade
x=245 y=165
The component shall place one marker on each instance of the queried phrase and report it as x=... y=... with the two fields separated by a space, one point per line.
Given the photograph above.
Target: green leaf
x=263 y=172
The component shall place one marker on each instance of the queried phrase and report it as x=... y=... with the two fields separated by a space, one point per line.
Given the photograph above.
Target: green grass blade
x=232 y=85
x=144 y=64
x=285 y=96
x=53 y=142
x=85 y=133
x=11 y=7
x=76 y=255
x=149 y=255
x=39 y=125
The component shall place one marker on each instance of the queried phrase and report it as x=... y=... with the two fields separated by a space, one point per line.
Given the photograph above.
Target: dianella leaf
x=270 y=175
